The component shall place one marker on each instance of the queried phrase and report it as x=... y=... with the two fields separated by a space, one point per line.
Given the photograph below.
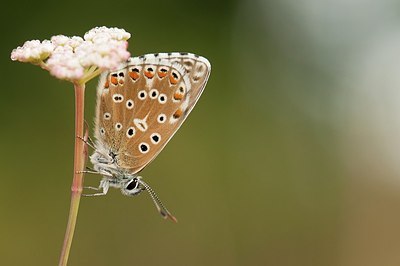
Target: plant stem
x=79 y=164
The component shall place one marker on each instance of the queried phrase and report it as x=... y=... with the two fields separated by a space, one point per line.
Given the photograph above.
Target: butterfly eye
x=132 y=187
x=134 y=184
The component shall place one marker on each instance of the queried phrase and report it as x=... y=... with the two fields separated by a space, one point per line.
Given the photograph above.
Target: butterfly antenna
x=160 y=207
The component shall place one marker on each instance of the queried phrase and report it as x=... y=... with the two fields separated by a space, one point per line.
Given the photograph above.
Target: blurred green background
x=291 y=156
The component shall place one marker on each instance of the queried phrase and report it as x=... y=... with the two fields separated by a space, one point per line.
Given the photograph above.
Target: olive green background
x=291 y=156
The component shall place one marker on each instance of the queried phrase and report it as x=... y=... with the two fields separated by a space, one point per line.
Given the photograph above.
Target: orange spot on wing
x=178 y=113
x=107 y=84
x=178 y=96
x=149 y=74
x=121 y=81
x=114 y=80
x=134 y=75
x=172 y=80
x=162 y=74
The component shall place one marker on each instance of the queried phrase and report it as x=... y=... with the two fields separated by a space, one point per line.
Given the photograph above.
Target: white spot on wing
x=141 y=124
x=155 y=138
x=144 y=147
x=107 y=116
x=129 y=104
x=172 y=119
x=118 y=98
x=162 y=98
x=118 y=126
x=153 y=94
x=142 y=94
x=130 y=132
x=185 y=104
x=161 y=118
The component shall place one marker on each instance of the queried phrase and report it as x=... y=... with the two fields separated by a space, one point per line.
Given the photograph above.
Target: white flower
x=32 y=51
x=100 y=33
x=63 y=64
x=105 y=55
x=77 y=59
x=61 y=40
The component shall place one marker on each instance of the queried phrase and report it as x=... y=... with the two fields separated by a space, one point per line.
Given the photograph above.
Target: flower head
x=74 y=58
x=33 y=51
x=96 y=34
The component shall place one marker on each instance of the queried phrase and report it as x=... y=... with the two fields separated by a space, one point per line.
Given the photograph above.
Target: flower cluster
x=74 y=58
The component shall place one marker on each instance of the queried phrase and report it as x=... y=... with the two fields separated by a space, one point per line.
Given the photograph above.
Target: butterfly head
x=132 y=187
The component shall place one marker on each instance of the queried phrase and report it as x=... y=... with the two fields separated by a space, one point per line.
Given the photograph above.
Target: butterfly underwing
x=139 y=108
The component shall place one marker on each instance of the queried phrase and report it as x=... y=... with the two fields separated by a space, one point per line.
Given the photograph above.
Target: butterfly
x=139 y=109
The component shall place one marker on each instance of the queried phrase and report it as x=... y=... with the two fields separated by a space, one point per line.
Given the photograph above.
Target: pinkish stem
x=79 y=164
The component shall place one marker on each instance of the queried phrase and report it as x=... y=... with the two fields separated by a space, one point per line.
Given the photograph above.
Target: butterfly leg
x=92 y=188
x=104 y=184
x=89 y=171
x=86 y=138
x=92 y=171
x=87 y=141
x=91 y=144
x=105 y=189
x=95 y=194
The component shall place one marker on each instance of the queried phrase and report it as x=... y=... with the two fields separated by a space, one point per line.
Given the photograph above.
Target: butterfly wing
x=142 y=105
